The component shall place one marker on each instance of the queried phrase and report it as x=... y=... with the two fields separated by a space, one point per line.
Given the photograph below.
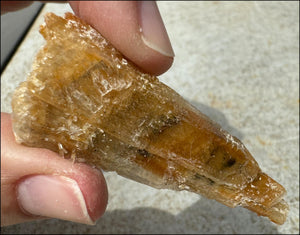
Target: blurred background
x=14 y=27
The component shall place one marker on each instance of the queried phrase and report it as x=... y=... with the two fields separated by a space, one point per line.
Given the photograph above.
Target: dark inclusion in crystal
x=85 y=101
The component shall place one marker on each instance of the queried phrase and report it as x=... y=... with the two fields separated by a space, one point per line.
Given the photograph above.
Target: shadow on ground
x=204 y=216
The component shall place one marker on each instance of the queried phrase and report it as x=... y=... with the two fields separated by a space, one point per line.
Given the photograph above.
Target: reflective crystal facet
x=85 y=101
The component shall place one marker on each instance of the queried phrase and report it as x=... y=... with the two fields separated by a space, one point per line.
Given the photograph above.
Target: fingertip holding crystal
x=129 y=122
x=53 y=196
x=153 y=31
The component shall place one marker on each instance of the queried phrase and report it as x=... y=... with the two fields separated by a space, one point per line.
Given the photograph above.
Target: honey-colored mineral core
x=85 y=101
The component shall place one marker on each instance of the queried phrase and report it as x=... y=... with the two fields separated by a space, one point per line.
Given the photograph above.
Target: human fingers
x=37 y=183
x=135 y=28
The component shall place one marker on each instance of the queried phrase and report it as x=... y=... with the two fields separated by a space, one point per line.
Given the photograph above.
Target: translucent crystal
x=85 y=101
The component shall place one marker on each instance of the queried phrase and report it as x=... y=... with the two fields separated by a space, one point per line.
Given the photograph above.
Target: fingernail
x=53 y=196
x=154 y=33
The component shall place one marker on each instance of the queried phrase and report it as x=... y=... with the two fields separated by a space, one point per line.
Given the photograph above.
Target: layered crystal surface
x=85 y=101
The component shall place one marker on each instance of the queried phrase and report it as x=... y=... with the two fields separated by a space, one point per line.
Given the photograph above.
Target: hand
x=37 y=183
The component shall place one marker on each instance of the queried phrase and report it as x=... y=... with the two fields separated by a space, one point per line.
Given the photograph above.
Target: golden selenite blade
x=84 y=100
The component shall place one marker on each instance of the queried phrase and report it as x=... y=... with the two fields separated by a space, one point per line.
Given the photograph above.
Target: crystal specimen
x=84 y=100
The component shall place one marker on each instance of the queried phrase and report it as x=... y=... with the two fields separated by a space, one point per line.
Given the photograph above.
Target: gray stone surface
x=13 y=26
x=238 y=62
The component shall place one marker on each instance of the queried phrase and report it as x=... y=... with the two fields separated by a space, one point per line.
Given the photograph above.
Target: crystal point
x=84 y=100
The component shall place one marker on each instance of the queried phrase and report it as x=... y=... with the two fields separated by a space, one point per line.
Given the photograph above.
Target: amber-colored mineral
x=84 y=100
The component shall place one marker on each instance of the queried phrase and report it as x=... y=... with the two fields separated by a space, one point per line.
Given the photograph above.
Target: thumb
x=37 y=183
x=135 y=28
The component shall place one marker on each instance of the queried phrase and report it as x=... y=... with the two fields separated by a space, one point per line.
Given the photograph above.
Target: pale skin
x=119 y=23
